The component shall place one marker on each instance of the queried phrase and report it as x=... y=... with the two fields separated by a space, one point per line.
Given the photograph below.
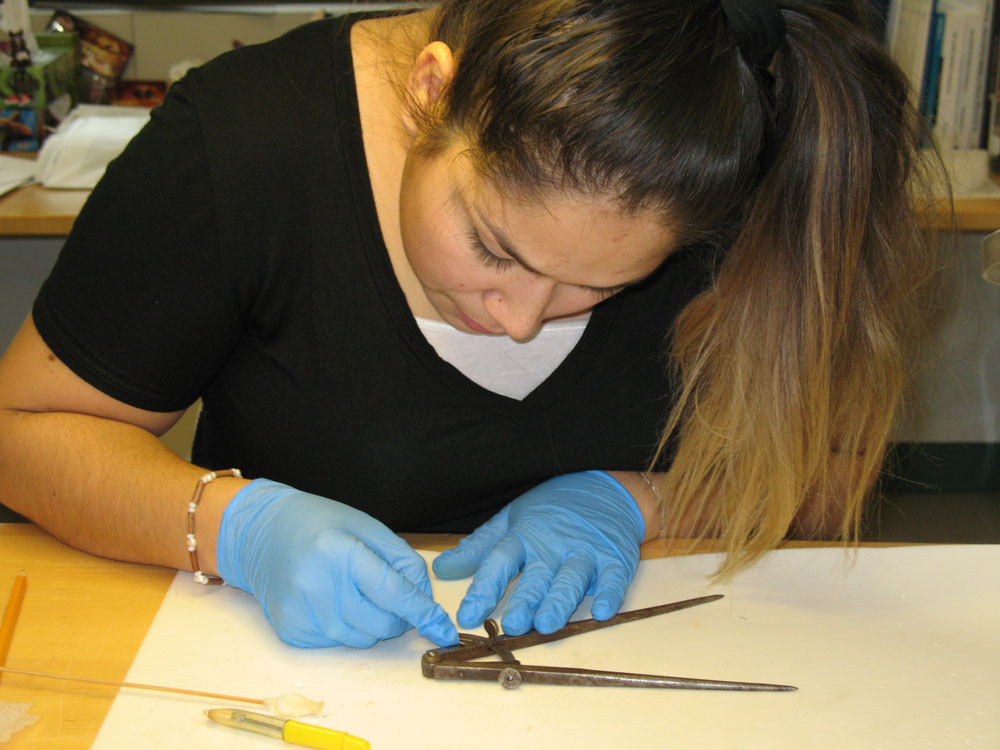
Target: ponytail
x=790 y=163
x=794 y=362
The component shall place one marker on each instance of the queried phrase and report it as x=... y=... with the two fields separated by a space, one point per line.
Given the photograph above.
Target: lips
x=470 y=323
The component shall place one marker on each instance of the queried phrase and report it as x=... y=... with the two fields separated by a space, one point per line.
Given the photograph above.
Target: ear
x=431 y=72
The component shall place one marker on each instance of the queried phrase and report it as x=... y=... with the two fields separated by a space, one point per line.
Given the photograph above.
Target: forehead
x=582 y=239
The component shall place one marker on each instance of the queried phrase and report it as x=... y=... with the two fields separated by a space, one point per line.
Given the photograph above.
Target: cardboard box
x=21 y=129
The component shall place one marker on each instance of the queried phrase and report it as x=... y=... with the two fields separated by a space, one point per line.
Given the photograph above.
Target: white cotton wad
x=291 y=706
x=13 y=718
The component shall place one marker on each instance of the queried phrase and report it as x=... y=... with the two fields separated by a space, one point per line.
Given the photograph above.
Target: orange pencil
x=10 y=615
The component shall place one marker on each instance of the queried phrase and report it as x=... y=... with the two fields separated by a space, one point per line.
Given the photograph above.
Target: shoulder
x=295 y=67
x=305 y=57
x=282 y=103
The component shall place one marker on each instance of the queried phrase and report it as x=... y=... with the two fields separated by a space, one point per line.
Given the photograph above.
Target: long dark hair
x=801 y=177
x=564 y=94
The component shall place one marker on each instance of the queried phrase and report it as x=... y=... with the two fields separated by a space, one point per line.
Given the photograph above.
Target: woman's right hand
x=325 y=573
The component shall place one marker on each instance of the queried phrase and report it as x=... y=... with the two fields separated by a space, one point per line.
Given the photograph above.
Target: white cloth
x=500 y=364
x=76 y=155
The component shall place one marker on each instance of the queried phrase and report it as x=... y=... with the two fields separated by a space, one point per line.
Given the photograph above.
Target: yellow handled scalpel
x=289 y=730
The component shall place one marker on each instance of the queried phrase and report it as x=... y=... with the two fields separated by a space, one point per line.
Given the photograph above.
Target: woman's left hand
x=573 y=535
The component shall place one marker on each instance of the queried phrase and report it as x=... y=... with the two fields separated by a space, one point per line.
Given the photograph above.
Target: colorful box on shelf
x=50 y=75
x=29 y=94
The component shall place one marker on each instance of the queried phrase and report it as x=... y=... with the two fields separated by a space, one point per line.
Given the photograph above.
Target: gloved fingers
x=290 y=632
x=519 y=612
x=463 y=560
x=304 y=639
x=568 y=588
x=391 y=592
x=311 y=618
x=359 y=614
x=609 y=591
x=292 y=620
x=316 y=618
x=401 y=556
x=490 y=581
x=343 y=635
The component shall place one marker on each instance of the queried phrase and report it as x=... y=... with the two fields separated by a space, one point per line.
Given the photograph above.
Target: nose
x=520 y=309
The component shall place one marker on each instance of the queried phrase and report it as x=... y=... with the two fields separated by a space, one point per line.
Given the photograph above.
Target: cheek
x=420 y=241
x=572 y=300
x=438 y=257
x=460 y=273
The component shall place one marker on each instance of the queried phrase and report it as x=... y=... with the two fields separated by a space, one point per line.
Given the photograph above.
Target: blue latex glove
x=325 y=573
x=573 y=535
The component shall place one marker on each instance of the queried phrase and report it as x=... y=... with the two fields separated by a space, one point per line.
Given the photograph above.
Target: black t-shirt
x=233 y=253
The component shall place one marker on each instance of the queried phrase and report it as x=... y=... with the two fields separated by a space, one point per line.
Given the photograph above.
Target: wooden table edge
x=156 y=582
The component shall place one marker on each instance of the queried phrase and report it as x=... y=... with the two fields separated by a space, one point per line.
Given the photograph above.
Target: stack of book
x=949 y=51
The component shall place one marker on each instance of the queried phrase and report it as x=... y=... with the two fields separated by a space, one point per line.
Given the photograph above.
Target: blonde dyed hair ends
x=797 y=185
x=793 y=364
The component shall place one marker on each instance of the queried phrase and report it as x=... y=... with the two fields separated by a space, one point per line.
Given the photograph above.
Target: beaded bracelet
x=659 y=502
x=192 y=542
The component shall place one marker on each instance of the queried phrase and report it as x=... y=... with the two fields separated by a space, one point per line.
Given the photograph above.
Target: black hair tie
x=759 y=29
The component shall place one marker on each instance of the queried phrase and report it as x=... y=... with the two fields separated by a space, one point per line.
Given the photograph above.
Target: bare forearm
x=820 y=516
x=645 y=497
x=106 y=487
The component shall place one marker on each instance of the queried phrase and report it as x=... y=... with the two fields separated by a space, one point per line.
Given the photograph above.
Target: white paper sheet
x=899 y=650
x=15 y=172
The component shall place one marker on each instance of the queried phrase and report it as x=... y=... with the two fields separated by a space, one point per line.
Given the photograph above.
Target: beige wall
x=165 y=38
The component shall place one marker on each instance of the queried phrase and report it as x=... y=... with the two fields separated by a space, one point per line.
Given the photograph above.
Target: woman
x=421 y=267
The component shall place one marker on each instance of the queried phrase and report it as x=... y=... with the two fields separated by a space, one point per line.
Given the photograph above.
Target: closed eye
x=489 y=258
x=503 y=264
x=603 y=294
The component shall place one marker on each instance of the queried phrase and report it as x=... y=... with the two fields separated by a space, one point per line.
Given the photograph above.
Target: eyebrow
x=504 y=243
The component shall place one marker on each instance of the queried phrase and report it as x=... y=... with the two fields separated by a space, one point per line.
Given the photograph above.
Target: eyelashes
x=603 y=294
x=484 y=254
x=505 y=264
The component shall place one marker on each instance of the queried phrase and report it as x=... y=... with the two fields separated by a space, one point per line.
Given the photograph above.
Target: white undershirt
x=500 y=364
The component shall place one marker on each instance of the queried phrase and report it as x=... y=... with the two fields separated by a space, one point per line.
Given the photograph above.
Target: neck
x=383 y=51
